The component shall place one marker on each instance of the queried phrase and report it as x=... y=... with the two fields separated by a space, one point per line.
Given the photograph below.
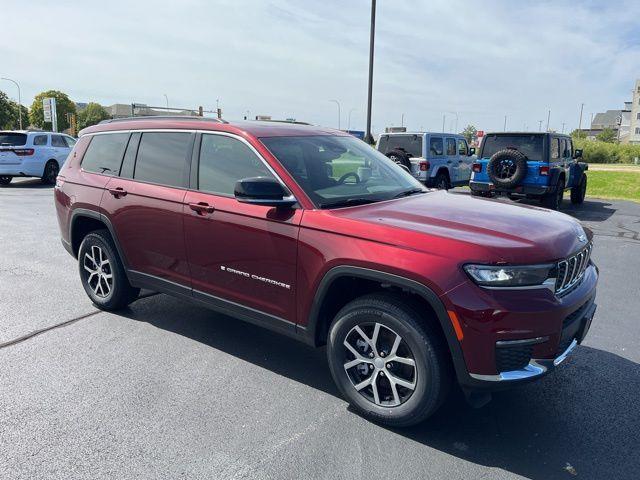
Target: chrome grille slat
x=572 y=269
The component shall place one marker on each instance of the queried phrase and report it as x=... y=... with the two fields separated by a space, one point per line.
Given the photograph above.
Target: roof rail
x=165 y=117
x=283 y=121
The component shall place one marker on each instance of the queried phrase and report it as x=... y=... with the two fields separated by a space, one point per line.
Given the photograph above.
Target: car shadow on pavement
x=26 y=183
x=582 y=419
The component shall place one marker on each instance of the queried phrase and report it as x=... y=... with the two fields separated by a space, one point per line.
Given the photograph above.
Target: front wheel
x=579 y=191
x=387 y=360
x=441 y=182
x=102 y=273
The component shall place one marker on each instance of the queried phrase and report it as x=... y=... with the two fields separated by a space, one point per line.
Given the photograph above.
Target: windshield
x=12 y=139
x=529 y=145
x=341 y=171
x=411 y=144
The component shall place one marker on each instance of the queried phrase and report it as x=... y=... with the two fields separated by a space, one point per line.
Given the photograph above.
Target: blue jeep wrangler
x=530 y=165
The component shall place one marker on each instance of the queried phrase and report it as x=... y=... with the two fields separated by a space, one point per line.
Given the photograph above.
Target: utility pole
x=444 y=119
x=505 y=124
x=539 y=125
x=402 y=121
x=563 y=124
x=548 y=118
x=580 y=121
x=166 y=99
x=19 y=99
x=338 y=104
x=368 y=136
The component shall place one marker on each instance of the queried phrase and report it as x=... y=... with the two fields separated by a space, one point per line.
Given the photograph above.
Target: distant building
x=124 y=110
x=634 y=126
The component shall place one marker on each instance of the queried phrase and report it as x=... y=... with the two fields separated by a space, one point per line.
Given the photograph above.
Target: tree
x=470 y=133
x=93 y=113
x=579 y=134
x=63 y=106
x=9 y=116
x=607 y=135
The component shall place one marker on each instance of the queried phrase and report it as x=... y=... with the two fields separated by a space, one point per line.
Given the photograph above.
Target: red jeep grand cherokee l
x=314 y=234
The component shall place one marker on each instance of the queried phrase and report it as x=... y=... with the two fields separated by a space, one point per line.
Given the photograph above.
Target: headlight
x=511 y=276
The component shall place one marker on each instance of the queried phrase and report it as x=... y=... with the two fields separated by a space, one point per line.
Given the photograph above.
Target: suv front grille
x=571 y=270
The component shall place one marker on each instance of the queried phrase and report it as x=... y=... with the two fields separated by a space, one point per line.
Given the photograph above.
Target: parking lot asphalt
x=166 y=389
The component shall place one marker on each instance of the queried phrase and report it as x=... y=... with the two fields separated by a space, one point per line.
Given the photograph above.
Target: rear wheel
x=553 y=200
x=442 y=181
x=102 y=273
x=50 y=173
x=579 y=191
x=388 y=362
x=5 y=180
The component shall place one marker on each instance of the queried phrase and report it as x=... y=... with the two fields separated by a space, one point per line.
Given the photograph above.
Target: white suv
x=33 y=154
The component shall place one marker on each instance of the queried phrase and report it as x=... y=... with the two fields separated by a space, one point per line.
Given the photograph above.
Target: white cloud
x=289 y=58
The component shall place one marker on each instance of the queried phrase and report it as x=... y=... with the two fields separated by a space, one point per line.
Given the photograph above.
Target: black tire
x=51 y=170
x=553 y=200
x=507 y=168
x=579 y=191
x=441 y=181
x=477 y=193
x=420 y=341
x=5 y=180
x=401 y=158
x=120 y=292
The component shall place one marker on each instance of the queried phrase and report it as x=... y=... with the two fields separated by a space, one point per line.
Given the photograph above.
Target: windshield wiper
x=407 y=193
x=348 y=202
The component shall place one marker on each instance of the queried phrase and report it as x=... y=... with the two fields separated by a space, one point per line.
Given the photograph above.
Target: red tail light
x=477 y=167
x=544 y=170
x=23 y=152
x=424 y=166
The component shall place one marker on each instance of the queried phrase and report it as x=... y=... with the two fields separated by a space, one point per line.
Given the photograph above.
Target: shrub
x=603 y=152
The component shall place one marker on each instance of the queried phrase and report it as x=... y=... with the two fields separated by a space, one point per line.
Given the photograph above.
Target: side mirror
x=472 y=151
x=263 y=191
x=577 y=153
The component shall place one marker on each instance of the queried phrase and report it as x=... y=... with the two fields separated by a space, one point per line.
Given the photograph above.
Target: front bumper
x=533 y=190
x=539 y=367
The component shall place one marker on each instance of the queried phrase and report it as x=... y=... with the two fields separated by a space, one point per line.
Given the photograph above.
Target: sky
x=477 y=61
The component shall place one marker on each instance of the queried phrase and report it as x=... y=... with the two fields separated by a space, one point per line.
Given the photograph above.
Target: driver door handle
x=201 y=208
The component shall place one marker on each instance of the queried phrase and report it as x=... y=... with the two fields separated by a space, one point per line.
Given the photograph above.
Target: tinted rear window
x=104 y=154
x=529 y=145
x=412 y=144
x=161 y=158
x=11 y=139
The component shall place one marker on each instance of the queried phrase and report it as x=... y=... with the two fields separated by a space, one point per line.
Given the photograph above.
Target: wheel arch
x=83 y=221
x=322 y=312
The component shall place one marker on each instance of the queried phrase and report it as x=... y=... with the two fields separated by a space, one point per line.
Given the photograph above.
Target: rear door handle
x=118 y=192
x=201 y=208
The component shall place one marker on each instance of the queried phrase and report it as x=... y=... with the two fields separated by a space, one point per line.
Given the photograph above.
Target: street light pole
x=563 y=124
x=402 y=120
x=444 y=119
x=166 y=99
x=580 y=122
x=505 y=124
x=372 y=34
x=539 y=125
x=19 y=100
x=338 y=104
x=548 y=118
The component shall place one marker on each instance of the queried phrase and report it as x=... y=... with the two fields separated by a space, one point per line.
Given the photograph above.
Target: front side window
x=39 y=140
x=70 y=141
x=337 y=171
x=451 y=146
x=462 y=147
x=161 y=158
x=104 y=153
x=224 y=161
x=436 y=146
x=58 y=141
x=529 y=145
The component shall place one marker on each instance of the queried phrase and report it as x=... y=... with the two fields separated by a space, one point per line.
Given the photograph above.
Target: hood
x=506 y=232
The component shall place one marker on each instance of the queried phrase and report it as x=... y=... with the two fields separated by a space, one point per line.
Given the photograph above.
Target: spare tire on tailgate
x=400 y=157
x=507 y=168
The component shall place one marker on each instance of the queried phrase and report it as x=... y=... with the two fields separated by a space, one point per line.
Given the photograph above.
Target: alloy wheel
x=98 y=266
x=379 y=364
